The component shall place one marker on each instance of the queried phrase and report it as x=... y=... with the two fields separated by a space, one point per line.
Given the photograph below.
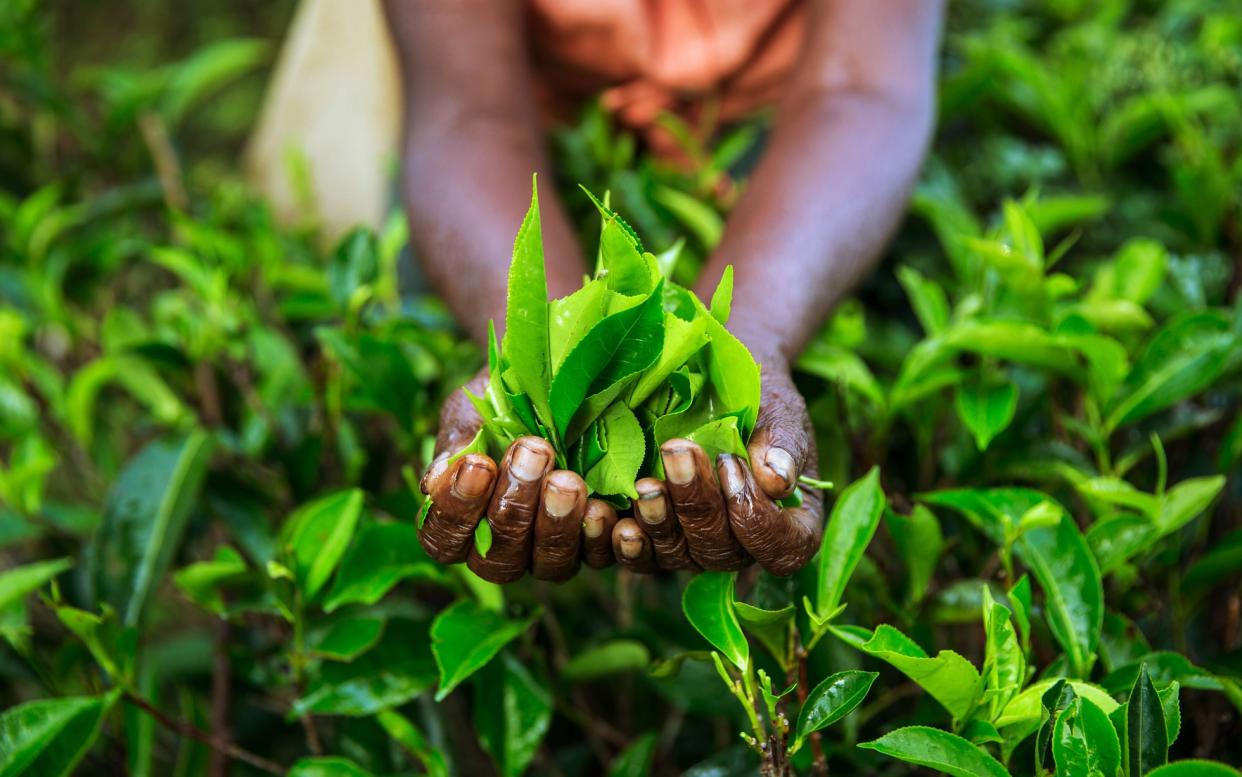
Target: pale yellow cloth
x=335 y=101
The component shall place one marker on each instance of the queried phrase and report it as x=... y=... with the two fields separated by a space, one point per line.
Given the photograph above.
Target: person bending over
x=853 y=86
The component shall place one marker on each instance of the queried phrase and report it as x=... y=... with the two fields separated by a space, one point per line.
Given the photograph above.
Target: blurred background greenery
x=1071 y=261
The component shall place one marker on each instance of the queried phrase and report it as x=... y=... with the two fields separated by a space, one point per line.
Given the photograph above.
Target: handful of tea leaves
x=613 y=370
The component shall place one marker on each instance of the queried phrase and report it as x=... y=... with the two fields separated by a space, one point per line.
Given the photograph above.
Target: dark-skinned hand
x=718 y=515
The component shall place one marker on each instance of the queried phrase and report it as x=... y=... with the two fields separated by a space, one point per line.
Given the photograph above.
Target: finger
x=699 y=508
x=558 y=527
x=632 y=547
x=660 y=524
x=511 y=511
x=460 y=494
x=459 y=421
x=781 y=442
x=782 y=540
x=597 y=525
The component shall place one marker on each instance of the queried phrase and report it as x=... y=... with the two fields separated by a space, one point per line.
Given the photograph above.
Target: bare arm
x=472 y=138
x=846 y=146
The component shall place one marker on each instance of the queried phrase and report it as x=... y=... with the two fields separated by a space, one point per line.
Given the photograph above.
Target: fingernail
x=631 y=547
x=527 y=465
x=557 y=501
x=780 y=462
x=679 y=465
x=651 y=506
x=593 y=526
x=732 y=480
x=472 y=481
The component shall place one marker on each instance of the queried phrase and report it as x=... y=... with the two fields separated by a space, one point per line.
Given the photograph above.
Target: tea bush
x=211 y=430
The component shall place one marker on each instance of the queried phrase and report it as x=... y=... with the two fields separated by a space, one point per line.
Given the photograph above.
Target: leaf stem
x=185 y=729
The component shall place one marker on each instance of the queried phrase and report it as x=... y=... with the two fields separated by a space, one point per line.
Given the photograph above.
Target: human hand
x=720 y=515
x=541 y=519
x=716 y=516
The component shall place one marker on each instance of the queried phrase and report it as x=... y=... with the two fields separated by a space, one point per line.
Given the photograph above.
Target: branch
x=185 y=729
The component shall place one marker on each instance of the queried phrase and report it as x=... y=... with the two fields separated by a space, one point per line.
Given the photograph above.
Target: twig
x=185 y=729
x=819 y=764
x=221 y=697
x=155 y=135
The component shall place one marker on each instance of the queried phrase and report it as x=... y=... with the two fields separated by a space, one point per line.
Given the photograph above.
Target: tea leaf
x=708 y=604
x=939 y=750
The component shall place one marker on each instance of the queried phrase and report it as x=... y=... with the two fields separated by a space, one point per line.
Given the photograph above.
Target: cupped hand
x=710 y=515
x=541 y=519
x=720 y=515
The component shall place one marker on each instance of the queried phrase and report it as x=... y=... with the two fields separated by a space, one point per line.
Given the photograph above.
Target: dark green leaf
x=512 y=710
x=831 y=700
x=347 y=639
x=396 y=670
x=1073 y=594
x=465 y=637
x=1147 y=739
x=620 y=655
x=327 y=766
x=1194 y=768
x=635 y=760
x=49 y=736
x=144 y=518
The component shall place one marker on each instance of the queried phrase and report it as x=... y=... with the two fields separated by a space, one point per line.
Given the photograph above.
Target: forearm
x=472 y=140
x=816 y=214
x=846 y=146
x=466 y=190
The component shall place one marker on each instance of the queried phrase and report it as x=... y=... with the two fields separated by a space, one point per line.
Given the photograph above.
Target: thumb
x=781 y=443
x=459 y=423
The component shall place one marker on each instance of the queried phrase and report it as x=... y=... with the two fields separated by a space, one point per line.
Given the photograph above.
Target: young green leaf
x=851 y=525
x=18 y=582
x=831 y=700
x=1004 y=663
x=949 y=678
x=316 y=536
x=986 y=409
x=625 y=447
x=621 y=345
x=708 y=604
x=1084 y=742
x=722 y=297
x=526 y=343
x=381 y=555
x=938 y=750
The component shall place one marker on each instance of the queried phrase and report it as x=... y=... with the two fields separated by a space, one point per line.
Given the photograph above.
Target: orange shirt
x=706 y=60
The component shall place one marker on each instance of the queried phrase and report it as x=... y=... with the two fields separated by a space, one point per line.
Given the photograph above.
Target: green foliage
x=212 y=426
x=616 y=368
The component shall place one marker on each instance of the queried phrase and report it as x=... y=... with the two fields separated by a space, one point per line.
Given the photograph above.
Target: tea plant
x=211 y=430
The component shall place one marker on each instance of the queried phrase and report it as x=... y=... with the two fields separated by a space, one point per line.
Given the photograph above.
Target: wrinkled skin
x=720 y=515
